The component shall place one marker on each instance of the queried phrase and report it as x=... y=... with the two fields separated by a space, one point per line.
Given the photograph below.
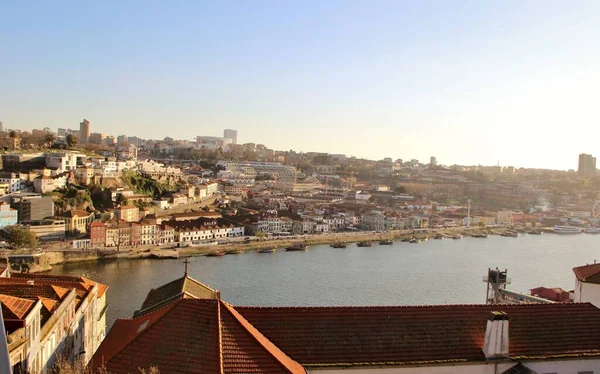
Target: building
x=98 y=234
x=77 y=221
x=47 y=316
x=587 y=284
x=85 y=128
x=14 y=181
x=128 y=213
x=47 y=229
x=587 y=165
x=432 y=162
x=45 y=184
x=230 y=134
x=65 y=161
x=33 y=207
x=8 y=216
x=190 y=321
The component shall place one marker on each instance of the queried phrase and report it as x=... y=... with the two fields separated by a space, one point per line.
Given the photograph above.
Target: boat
x=406 y=240
x=267 y=250
x=510 y=234
x=536 y=232
x=480 y=235
x=364 y=244
x=592 y=230
x=415 y=240
x=339 y=245
x=457 y=236
x=386 y=242
x=233 y=252
x=296 y=247
x=439 y=237
x=567 y=230
x=215 y=254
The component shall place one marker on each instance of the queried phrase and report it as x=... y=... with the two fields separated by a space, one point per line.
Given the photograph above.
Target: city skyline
x=465 y=82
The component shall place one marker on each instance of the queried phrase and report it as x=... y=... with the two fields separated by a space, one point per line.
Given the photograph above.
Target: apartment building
x=47 y=316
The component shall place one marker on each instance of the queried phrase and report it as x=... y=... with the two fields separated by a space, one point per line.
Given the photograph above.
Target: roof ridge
x=421 y=306
x=284 y=360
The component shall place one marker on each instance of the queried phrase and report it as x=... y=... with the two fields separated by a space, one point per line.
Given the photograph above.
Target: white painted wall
x=587 y=292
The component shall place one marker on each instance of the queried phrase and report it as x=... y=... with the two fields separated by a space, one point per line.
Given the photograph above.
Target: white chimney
x=495 y=344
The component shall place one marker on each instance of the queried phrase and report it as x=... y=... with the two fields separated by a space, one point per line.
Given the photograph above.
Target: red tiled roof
x=350 y=336
x=15 y=307
x=78 y=213
x=32 y=291
x=191 y=336
x=588 y=273
x=49 y=304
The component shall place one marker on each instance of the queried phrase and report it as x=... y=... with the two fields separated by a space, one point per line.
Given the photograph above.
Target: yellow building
x=78 y=221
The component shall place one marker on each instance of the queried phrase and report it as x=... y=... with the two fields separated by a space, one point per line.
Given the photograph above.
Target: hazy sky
x=471 y=82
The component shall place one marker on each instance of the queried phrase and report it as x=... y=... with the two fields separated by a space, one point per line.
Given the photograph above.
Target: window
x=586 y=372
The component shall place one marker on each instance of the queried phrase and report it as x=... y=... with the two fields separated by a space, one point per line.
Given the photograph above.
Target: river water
x=433 y=272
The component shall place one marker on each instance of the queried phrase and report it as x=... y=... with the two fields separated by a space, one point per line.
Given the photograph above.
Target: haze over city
x=469 y=82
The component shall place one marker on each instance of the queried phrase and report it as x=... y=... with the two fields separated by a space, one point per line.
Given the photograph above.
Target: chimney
x=496 y=336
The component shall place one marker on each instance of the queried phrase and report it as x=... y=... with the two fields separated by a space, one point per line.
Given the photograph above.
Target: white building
x=587 y=284
x=14 y=181
x=65 y=161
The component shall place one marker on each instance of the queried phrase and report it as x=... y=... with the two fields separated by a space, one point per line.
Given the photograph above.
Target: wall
x=588 y=292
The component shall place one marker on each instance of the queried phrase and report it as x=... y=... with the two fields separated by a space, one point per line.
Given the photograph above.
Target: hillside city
x=75 y=195
x=99 y=191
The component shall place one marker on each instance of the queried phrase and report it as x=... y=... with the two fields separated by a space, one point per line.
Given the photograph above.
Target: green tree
x=71 y=140
x=21 y=237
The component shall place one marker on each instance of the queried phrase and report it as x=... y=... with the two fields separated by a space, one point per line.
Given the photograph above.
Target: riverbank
x=42 y=261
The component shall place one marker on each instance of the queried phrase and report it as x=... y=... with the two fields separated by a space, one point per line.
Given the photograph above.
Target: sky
x=469 y=82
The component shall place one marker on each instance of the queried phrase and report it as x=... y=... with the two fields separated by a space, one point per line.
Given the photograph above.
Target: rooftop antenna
x=186 y=262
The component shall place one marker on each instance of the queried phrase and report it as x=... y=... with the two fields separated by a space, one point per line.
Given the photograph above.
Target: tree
x=49 y=139
x=71 y=140
x=15 y=139
x=21 y=237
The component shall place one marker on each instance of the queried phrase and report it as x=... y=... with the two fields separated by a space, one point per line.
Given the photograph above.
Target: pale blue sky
x=471 y=82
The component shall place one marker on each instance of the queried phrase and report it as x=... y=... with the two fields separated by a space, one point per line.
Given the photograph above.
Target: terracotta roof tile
x=183 y=340
x=33 y=291
x=15 y=307
x=179 y=287
x=588 y=273
x=369 y=335
x=192 y=336
x=49 y=304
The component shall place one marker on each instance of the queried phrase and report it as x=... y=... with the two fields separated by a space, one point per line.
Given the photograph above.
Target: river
x=433 y=272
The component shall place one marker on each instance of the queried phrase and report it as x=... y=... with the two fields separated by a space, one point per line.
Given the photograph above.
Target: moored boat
x=386 y=242
x=296 y=247
x=480 y=235
x=339 y=245
x=364 y=244
x=439 y=237
x=267 y=250
x=567 y=230
x=415 y=240
x=216 y=254
x=233 y=252
x=592 y=230
x=457 y=236
x=510 y=234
